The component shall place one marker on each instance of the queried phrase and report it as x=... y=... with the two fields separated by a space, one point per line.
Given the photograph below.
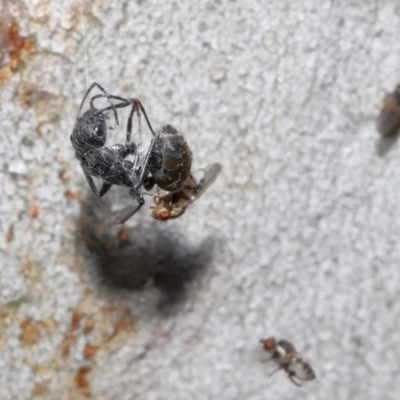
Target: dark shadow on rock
x=164 y=260
x=133 y=259
x=385 y=143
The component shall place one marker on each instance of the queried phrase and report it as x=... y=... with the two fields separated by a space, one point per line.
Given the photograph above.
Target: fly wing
x=210 y=174
x=301 y=370
x=287 y=346
x=194 y=189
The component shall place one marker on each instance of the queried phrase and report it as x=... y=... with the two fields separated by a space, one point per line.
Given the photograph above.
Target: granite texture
x=296 y=239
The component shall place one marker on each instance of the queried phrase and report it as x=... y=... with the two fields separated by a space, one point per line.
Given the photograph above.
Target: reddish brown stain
x=31 y=269
x=7 y=315
x=35 y=211
x=82 y=381
x=125 y=323
x=105 y=325
x=66 y=344
x=5 y=75
x=123 y=235
x=18 y=45
x=10 y=234
x=28 y=95
x=64 y=175
x=30 y=333
x=90 y=351
x=72 y=195
x=39 y=389
x=75 y=320
x=71 y=337
x=89 y=326
x=108 y=310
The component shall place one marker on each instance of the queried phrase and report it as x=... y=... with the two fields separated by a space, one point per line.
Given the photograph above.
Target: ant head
x=268 y=344
x=92 y=129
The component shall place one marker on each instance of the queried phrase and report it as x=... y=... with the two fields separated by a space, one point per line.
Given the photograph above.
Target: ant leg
x=99 y=193
x=113 y=107
x=137 y=195
x=149 y=182
x=105 y=188
x=87 y=94
x=105 y=94
x=131 y=147
x=129 y=123
x=139 y=107
x=124 y=103
x=130 y=214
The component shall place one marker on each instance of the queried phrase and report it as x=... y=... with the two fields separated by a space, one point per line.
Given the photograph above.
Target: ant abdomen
x=172 y=159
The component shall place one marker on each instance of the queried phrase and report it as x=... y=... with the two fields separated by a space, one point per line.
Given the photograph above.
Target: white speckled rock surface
x=298 y=238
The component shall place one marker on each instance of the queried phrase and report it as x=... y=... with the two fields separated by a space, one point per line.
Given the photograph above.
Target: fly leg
x=290 y=375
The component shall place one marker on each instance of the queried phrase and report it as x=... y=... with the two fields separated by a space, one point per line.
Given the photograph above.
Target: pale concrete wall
x=298 y=238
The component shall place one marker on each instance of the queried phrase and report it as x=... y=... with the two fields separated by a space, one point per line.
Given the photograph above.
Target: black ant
x=167 y=161
x=108 y=163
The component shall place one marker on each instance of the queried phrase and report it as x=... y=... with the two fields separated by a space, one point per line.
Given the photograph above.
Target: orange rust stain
x=90 y=351
x=10 y=234
x=89 y=326
x=64 y=175
x=39 y=389
x=125 y=323
x=123 y=234
x=48 y=324
x=7 y=315
x=71 y=195
x=31 y=269
x=30 y=333
x=44 y=370
x=70 y=337
x=65 y=348
x=66 y=344
x=75 y=320
x=106 y=325
x=35 y=211
x=108 y=310
x=5 y=75
x=26 y=94
x=43 y=129
x=81 y=380
x=18 y=45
